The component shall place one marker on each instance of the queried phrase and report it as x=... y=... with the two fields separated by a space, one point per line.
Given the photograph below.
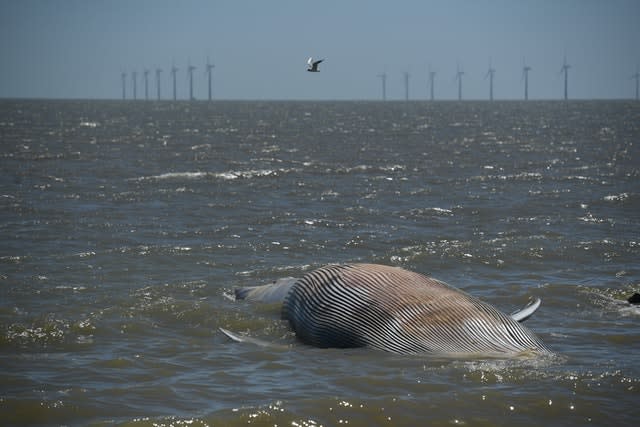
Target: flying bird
x=313 y=65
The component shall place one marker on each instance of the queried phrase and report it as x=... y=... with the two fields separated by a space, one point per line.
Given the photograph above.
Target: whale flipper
x=233 y=336
x=255 y=341
x=526 y=312
x=245 y=339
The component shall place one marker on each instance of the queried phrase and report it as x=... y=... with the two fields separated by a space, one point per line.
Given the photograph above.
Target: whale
x=394 y=310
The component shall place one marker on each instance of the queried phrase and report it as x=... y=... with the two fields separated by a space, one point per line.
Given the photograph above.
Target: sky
x=79 y=48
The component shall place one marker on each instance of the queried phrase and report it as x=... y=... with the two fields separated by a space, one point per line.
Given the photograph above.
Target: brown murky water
x=125 y=226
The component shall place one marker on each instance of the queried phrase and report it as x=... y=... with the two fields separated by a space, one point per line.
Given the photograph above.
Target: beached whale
x=395 y=310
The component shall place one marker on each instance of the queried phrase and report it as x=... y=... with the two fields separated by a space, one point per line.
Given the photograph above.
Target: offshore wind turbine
x=525 y=76
x=158 y=71
x=190 y=69
x=458 y=77
x=123 y=75
x=134 y=76
x=565 y=70
x=174 y=70
x=432 y=77
x=209 y=72
x=490 y=74
x=146 y=85
x=406 y=85
x=636 y=76
x=383 y=78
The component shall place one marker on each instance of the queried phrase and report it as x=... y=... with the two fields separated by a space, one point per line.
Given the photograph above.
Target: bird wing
x=310 y=61
x=315 y=63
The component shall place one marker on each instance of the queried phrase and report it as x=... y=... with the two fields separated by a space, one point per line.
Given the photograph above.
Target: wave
x=616 y=197
x=260 y=173
x=226 y=176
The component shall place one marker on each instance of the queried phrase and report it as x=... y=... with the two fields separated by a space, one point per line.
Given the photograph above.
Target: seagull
x=313 y=65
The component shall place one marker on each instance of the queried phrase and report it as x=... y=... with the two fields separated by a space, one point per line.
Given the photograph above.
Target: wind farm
x=428 y=80
x=261 y=59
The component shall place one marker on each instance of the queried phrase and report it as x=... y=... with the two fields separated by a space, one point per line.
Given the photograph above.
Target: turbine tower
x=490 y=74
x=636 y=76
x=432 y=77
x=565 y=70
x=158 y=71
x=458 y=77
x=383 y=78
x=123 y=75
x=209 y=75
x=525 y=77
x=190 y=69
x=146 y=85
x=406 y=85
x=134 y=75
x=174 y=70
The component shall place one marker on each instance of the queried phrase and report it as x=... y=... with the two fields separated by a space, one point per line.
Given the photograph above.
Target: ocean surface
x=125 y=227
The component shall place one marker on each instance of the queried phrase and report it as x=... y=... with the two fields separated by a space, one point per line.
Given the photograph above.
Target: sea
x=125 y=227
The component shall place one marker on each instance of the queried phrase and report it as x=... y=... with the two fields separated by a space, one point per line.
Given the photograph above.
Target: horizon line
x=393 y=100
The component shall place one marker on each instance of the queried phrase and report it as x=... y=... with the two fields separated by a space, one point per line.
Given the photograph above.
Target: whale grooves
x=394 y=310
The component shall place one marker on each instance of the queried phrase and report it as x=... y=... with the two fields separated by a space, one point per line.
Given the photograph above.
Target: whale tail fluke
x=526 y=312
x=270 y=293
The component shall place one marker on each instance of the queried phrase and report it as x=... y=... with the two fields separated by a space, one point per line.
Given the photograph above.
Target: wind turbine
x=209 y=72
x=565 y=70
x=190 y=69
x=146 y=85
x=432 y=76
x=490 y=74
x=406 y=85
x=636 y=76
x=123 y=75
x=158 y=71
x=134 y=75
x=174 y=70
x=458 y=77
x=525 y=76
x=383 y=78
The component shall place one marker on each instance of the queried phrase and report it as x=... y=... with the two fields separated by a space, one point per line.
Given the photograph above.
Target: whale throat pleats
x=395 y=310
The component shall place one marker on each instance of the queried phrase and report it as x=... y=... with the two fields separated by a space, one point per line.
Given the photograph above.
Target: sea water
x=125 y=227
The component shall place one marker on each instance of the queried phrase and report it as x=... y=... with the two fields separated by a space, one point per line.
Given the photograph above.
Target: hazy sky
x=79 y=48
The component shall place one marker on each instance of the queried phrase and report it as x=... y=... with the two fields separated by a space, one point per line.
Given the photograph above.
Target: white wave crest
x=227 y=175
